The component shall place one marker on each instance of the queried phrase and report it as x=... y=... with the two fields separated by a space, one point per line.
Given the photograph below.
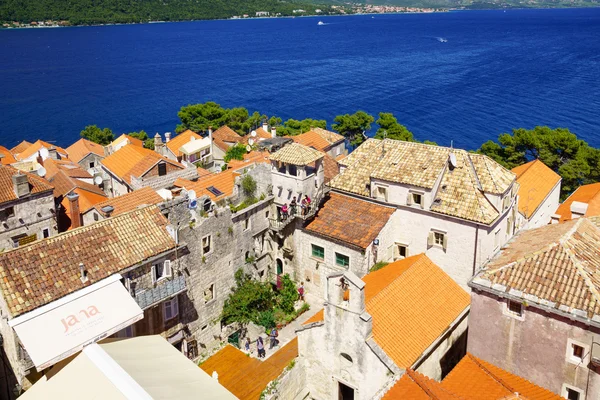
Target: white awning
x=195 y=146
x=59 y=329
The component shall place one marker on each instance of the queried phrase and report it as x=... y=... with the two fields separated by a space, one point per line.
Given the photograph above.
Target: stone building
x=534 y=308
x=87 y=154
x=133 y=167
x=46 y=279
x=27 y=210
x=27 y=152
x=409 y=314
x=457 y=207
x=122 y=141
x=539 y=194
x=583 y=202
x=323 y=140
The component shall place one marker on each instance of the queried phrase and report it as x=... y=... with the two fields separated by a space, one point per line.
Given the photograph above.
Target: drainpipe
x=475 y=250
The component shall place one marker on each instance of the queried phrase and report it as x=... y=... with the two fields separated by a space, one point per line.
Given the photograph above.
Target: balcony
x=278 y=224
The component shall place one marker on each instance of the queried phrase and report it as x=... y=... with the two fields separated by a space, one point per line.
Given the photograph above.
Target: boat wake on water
x=441 y=39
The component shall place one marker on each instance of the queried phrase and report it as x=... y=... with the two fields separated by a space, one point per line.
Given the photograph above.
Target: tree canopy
x=143 y=136
x=293 y=127
x=389 y=126
x=353 y=126
x=573 y=159
x=97 y=135
x=235 y=152
x=199 y=117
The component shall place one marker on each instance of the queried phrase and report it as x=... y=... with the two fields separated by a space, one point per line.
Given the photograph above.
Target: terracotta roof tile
x=538 y=261
x=296 y=154
x=471 y=379
x=184 y=137
x=350 y=220
x=63 y=185
x=81 y=148
x=331 y=168
x=459 y=193
x=7 y=157
x=86 y=201
x=588 y=194
x=70 y=168
x=130 y=140
x=536 y=182
x=223 y=181
x=404 y=300
x=48 y=269
x=34 y=148
x=225 y=137
x=20 y=147
x=253 y=157
x=246 y=377
x=131 y=160
x=317 y=138
x=128 y=202
x=7 y=193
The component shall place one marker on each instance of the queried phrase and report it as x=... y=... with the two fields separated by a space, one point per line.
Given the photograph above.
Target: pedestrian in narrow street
x=260 y=347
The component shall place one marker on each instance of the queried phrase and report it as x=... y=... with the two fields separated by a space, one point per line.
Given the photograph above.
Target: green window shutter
x=342 y=260
x=318 y=251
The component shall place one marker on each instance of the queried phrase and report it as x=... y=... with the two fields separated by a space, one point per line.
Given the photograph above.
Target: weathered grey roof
x=296 y=154
x=162 y=292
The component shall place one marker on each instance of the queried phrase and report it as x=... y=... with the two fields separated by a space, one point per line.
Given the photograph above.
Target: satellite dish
x=193 y=204
x=41 y=171
x=98 y=180
x=250 y=142
x=192 y=195
x=248 y=148
x=453 y=160
x=253 y=133
x=44 y=153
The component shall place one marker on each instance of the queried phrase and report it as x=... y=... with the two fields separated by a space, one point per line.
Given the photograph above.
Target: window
x=438 y=239
x=206 y=244
x=209 y=293
x=171 y=308
x=247 y=224
x=318 y=251
x=400 y=251
x=23 y=239
x=515 y=308
x=572 y=393
x=7 y=213
x=342 y=260
x=577 y=352
x=292 y=170
x=46 y=233
x=162 y=169
x=161 y=271
x=92 y=164
x=95 y=216
x=381 y=193
x=267 y=214
x=417 y=198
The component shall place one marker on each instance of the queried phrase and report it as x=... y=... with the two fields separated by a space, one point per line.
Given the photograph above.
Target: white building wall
x=398 y=194
x=548 y=207
x=337 y=149
x=286 y=187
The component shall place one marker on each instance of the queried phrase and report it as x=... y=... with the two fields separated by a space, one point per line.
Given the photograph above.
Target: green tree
x=288 y=294
x=573 y=159
x=235 y=152
x=143 y=136
x=389 y=126
x=354 y=126
x=97 y=135
x=293 y=127
x=248 y=186
x=248 y=299
x=198 y=117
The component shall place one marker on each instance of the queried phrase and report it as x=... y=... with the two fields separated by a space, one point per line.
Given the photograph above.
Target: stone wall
x=35 y=212
x=291 y=383
x=534 y=346
x=151 y=179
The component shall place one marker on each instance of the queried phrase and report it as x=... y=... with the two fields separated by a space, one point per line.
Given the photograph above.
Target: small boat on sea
x=320 y=23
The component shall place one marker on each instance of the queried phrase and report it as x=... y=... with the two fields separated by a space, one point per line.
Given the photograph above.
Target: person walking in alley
x=301 y=291
x=293 y=206
x=247 y=344
x=273 y=336
x=260 y=347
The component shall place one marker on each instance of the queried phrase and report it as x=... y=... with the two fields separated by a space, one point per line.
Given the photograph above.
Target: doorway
x=345 y=392
x=279 y=267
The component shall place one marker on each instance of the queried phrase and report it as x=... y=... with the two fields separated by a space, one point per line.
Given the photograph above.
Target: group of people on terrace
x=292 y=209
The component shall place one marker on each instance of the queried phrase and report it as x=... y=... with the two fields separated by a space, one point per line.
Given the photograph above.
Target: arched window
x=346 y=359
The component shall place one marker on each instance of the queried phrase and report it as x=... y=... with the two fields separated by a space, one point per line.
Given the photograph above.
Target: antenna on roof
x=452 y=145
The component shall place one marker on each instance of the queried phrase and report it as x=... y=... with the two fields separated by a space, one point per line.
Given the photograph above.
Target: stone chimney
x=20 y=184
x=159 y=146
x=273 y=132
x=265 y=126
x=74 y=206
x=107 y=210
x=52 y=153
x=578 y=209
x=167 y=137
x=157 y=139
x=210 y=134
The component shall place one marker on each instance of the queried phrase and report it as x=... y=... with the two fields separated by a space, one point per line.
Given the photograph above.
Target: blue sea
x=463 y=76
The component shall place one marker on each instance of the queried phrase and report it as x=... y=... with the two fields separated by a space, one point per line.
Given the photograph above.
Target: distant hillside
x=79 y=12
x=489 y=4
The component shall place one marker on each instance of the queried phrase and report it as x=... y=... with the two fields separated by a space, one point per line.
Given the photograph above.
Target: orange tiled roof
x=7 y=193
x=20 y=147
x=86 y=201
x=253 y=157
x=128 y=202
x=331 y=168
x=223 y=181
x=81 y=148
x=63 y=185
x=48 y=269
x=318 y=138
x=203 y=172
x=471 y=379
x=184 y=137
x=585 y=194
x=8 y=157
x=555 y=265
x=247 y=377
x=133 y=160
x=70 y=168
x=34 y=148
x=225 y=137
x=134 y=141
x=350 y=220
x=340 y=157
x=536 y=182
x=260 y=134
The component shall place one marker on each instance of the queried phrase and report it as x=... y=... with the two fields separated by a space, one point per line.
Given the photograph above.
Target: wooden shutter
x=175 y=306
x=409 y=199
x=396 y=252
x=422 y=201
x=168 y=271
x=445 y=245
x=154 y=273
x=390 y=253
x=430 y=239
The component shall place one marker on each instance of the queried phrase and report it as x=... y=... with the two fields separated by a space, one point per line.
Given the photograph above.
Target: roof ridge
x=527 y=256
x=423 y=381
x=477 y=186
x=487 y=167
x=413 y=376
x=578 y=265
x=490 y=373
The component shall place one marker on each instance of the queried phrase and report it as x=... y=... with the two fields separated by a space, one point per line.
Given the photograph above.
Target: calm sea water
x=461 y=76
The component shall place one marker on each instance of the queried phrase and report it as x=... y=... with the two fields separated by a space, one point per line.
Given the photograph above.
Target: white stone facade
x=542 y=216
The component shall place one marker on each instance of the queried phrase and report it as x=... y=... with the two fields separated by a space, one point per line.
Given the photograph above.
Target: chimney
x=159 y=146
x=52 y=153
x=107 y=210
x=157 y=139
x=20 y=184
x=578 y=209
x=265 y=126
x=210 y=134
x=82 y=273
x=167 y=137
x=273 y=132
x=74 y=206
x=554 y=218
